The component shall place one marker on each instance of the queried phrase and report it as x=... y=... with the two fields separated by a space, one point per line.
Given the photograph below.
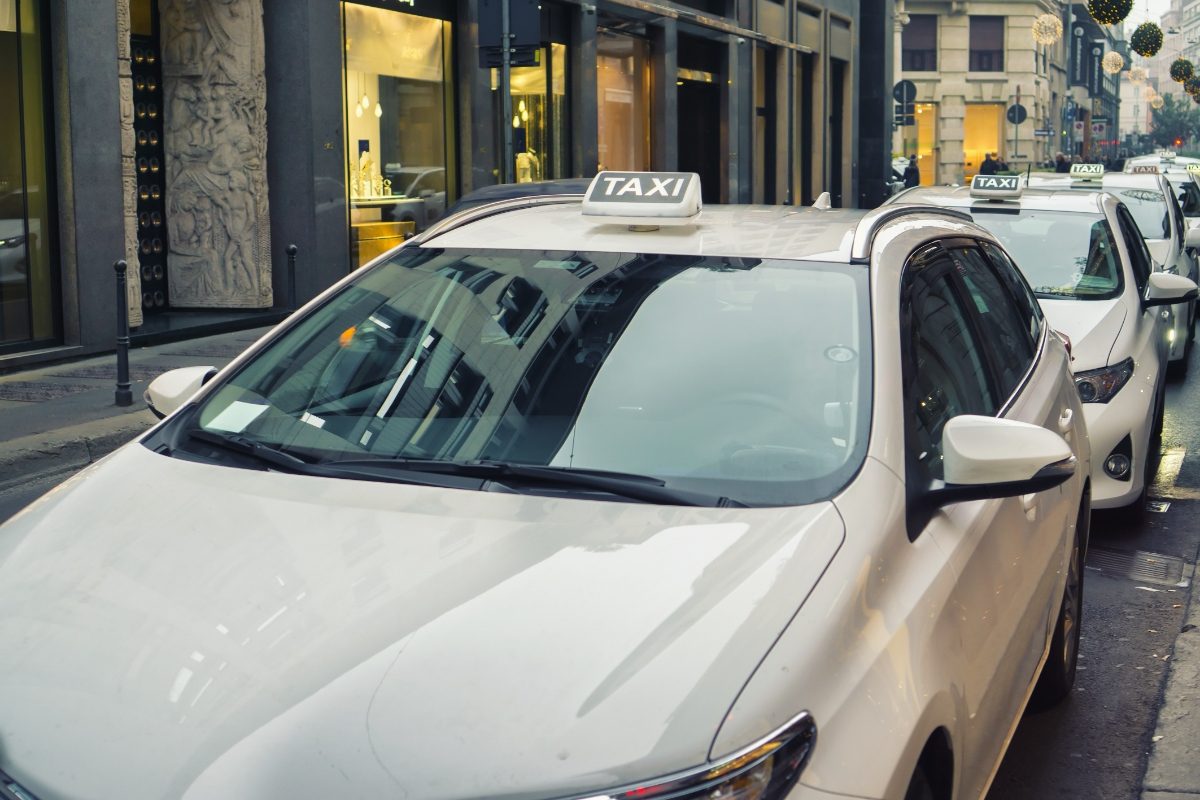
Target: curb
x=66 y=449
x=1172 y=772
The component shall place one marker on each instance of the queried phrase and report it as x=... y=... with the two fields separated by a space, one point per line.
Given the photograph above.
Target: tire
x=1058 y=675
x=919 y=787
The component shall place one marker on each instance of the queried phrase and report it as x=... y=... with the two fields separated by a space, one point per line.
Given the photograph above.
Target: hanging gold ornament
x=1181 y=70
x=1136 y=75
x=1047 y=29
x=1112 y=63
x=1156 y=102
x=1147 y=39
x=1109 y=12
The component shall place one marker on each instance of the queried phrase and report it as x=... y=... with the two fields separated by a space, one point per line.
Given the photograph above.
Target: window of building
x=918 y=45
x=987 y=44
x=399 y=125
x=539 y=116
x=28 y=305
x=921 y=139
x=623 y=95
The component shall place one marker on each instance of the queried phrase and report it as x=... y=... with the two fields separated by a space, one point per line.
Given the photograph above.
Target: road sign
x=904 y=91
x=1043 y=132
x=1016 y=114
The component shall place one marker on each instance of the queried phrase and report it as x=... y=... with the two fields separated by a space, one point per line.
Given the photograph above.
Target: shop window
x=918 y=46
x=399 y=125
x=623 y=95
x=539 y=116
x=987 y=44
x=921 y=140
x=28 y=306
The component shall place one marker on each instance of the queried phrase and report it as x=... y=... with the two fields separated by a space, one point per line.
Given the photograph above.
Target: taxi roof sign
x=996 y=187
x=636 y=198
x=1143 y=169
x=1194 y=167
x=1165 y=153
x=1087 y=171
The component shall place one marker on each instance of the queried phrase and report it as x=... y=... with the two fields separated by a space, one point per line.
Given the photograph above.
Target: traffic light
x=1178 y=142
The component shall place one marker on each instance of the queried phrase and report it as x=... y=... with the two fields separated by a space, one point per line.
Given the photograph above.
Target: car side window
x=1000 y=323
x=1139 y=256
x=945 y=373
x=1176 y=213
x=1010 y=275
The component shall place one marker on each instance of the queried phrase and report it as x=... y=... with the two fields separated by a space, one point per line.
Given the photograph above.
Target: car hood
x=175 y=629
x=1092 y=326
x=1160 y=250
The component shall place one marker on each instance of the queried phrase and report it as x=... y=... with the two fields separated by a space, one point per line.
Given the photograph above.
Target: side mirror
x=1165 y=289
x=1191 y=237
x=172 y=389
x=987 y=457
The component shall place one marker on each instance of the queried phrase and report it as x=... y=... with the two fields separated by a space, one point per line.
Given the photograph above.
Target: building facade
x=974 y=62
x=197 y=139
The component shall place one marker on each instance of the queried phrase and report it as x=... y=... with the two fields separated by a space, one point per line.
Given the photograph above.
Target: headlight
x=766 y=770
x=1099 y=385
x=12 y=241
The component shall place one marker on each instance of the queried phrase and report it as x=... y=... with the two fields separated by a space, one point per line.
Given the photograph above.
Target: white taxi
x=615 y=498
x=1151 y=200
x=1088 y=264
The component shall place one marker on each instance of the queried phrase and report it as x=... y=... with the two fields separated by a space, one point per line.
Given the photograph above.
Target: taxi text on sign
x=1087 y=170
x=644 y=187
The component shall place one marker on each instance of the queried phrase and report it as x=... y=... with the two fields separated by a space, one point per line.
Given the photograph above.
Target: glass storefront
x=27 y=280
x=981 y=135
x=539 y=116
x=623 y=96
x=399 y=125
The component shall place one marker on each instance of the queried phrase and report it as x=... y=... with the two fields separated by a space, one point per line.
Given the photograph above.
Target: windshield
x=747 y=378
x=1063 y=254
x=1149 y=209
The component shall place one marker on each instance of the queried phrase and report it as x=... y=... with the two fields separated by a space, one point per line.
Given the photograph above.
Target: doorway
x=699 y=98
x=981 y=135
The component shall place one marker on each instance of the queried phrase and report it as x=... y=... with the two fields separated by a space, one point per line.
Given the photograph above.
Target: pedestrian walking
x=912 y=173
x=988 y=167
x=1061 y=164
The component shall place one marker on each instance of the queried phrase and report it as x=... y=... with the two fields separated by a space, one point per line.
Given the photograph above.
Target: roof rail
x=490 y=210
x=868 y=227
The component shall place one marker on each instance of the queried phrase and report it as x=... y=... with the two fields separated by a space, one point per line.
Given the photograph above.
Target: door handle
x=1064 y=420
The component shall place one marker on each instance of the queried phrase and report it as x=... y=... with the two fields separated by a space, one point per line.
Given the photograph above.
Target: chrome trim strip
x=1037 y=359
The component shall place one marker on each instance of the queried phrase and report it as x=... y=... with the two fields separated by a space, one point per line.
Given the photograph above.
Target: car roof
x=1048 y=198
x=737 y=231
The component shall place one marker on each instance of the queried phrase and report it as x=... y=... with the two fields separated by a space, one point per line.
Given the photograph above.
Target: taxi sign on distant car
x=1087 y=170
x=634 y=196
x=1165 y=153
x=1193 y=167
x=996 y=187
x=1143 y=169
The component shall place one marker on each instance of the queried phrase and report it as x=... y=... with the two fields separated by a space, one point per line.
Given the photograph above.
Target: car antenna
x=824 y=202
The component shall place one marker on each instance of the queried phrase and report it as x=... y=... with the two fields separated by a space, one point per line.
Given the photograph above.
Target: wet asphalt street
x=1095 y=746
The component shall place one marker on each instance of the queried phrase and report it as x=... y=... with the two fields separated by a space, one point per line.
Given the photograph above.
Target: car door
x=1001 y=550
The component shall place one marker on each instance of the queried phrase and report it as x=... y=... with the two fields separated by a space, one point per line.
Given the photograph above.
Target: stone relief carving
x=215 y=140
x=128 y=181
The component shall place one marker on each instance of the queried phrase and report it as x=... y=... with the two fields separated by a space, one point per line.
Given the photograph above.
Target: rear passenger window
x=1002 y=326
x=945 y=373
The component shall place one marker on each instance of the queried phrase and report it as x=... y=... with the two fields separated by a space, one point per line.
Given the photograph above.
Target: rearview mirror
x=987 y=458
x=172 y=389
x=1166 y=289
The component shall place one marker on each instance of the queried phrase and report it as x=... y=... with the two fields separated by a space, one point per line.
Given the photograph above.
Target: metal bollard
x=291 y=254
x=124 y=396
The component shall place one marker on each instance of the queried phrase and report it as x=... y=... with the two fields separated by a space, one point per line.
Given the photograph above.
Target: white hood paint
x=1092 y=325
x=174 y=629
x=1160 y=251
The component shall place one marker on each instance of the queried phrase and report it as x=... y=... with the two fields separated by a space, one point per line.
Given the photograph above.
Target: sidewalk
x=58 y=419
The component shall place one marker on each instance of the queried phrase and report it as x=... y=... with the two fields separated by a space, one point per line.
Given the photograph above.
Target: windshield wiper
x=284 y=461
x=1047 y=292
x=645 y=488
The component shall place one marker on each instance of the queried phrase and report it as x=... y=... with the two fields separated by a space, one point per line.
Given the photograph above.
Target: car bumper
x=1129 y=413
